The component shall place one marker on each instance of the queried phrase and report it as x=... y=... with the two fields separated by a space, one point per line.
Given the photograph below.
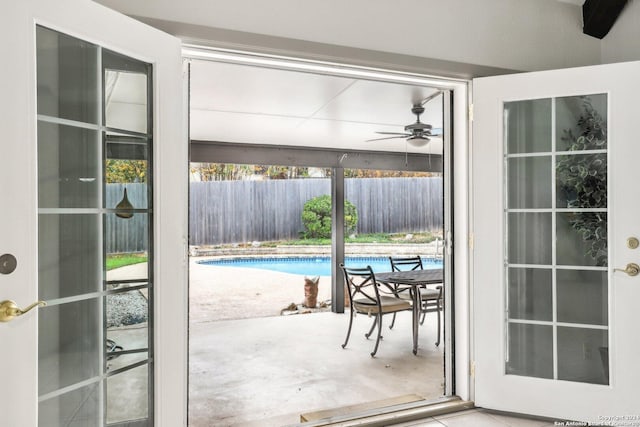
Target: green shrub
x=316 y=218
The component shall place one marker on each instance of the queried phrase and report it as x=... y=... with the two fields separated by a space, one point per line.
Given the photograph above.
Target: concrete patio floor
x=270 y=370
x=250 y=366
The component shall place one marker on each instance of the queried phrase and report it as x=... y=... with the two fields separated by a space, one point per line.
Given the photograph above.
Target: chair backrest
x=406 y=263
x=361 y=283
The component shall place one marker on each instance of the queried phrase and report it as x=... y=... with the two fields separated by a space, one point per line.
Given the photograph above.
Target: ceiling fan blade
x=394 y=133
x=436 y=132
x=403 y=136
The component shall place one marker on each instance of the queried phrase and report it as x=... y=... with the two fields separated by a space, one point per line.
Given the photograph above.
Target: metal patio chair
x=369 y=297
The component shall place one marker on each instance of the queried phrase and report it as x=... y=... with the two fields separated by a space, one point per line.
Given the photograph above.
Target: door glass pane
x=583 y=355
x=530 y=294
x=128 y=311
x=94 y=251
x=80 y=407
x=126 y=100
x=582 y=238
x=69 y=255
x=529 y=182
x=581 y=123
x=69 y=171
x=123 y=390
x=125 y=93
x=530 y=350
x=556 y=230
x=528 y=126
x=67 y=73
x=74 y=353
x=127 y=242
x=126 y=167
x=530 y=238
x=582 y=297
x=581 y=181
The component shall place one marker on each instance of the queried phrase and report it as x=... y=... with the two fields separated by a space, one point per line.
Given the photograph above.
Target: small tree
x=316 y=217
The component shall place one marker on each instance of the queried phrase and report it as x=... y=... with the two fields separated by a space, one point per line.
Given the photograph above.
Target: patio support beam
x=263 y=154
x=337 y=239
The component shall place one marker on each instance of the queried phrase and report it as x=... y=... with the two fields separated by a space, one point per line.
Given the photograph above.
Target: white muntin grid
x=553 y=211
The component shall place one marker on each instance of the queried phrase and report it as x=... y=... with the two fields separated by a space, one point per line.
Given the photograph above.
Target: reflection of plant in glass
x=124 y=171
x=592 y=226
x=582 y=179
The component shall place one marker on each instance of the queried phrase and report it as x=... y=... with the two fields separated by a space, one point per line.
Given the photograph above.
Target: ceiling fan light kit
x=418 y=141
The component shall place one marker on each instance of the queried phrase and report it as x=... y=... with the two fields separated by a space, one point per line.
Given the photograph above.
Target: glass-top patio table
x=413 y=279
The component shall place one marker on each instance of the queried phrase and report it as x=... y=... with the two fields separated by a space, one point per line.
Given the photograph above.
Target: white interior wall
x=621 y=44
x=513 y=34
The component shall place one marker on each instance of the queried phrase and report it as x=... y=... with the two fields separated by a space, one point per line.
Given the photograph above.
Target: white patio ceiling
x=247 y=104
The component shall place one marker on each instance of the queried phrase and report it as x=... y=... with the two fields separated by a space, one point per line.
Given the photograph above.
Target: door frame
x=102 y=26
x=456 y=371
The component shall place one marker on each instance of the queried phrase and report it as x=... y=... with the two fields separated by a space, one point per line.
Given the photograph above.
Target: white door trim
x=460 y=150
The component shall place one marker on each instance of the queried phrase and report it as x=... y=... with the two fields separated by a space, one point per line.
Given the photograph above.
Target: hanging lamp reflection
x=125 y=204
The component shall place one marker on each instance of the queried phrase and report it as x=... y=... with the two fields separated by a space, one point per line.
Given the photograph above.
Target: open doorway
x=250 y=309
x=245 y=365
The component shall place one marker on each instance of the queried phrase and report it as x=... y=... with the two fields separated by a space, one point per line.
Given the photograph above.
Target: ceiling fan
x=417 y=133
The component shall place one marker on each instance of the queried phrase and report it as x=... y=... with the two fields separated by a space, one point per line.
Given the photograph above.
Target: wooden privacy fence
x=393 y=205
x=246 y=211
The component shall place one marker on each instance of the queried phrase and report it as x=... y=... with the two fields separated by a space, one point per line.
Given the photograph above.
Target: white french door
x=92 y=115
x=555 y=215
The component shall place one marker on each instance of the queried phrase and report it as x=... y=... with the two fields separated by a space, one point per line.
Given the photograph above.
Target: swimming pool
x=312 y=266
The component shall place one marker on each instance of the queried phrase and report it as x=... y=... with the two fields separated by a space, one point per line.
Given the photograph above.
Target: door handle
x=632 y=269
x=9 y=310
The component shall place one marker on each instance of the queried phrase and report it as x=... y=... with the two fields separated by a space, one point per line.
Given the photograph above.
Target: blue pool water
x=312 y=266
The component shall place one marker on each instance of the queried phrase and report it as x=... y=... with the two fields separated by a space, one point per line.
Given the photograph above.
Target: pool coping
x=433 y=249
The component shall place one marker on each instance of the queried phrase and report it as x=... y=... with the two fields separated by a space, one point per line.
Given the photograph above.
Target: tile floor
x=479 y=418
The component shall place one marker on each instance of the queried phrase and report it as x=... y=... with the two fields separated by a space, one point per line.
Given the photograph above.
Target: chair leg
x=379 y=322
x=346 y=340
x=393 y=321
x=424 y=314
x=375 y=322
x=438 y=341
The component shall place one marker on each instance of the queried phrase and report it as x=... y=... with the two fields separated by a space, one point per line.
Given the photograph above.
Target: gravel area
x=128 y=308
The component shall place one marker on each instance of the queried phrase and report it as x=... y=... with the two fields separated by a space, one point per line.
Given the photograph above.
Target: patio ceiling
x=245 y=104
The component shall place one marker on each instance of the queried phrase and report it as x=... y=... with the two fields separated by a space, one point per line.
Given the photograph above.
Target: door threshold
x=395 y=413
